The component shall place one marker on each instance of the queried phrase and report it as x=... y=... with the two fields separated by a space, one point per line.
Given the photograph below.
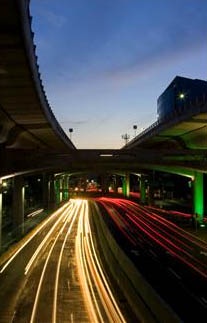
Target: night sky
x=104 y=63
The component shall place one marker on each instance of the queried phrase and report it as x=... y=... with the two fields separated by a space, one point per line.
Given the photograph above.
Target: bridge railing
x=188 y=109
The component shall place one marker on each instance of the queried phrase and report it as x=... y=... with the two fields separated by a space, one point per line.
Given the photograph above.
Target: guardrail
x=145 y=302
x=189 y=109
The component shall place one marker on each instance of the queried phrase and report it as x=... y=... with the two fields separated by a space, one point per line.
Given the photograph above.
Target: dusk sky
x=104 y=63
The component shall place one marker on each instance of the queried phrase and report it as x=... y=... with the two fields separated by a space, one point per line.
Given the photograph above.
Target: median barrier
x=147 y=305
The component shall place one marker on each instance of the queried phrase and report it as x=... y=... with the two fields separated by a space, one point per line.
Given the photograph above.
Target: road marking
x=204 y=300
x=153 y=253
x=13 y=317
x=174 y=273
x=135 y=252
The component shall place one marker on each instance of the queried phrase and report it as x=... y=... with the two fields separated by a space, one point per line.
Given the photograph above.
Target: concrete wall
x=146 y=303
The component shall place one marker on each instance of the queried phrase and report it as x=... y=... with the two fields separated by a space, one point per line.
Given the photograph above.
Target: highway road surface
x=173 y=261
x=54 y=274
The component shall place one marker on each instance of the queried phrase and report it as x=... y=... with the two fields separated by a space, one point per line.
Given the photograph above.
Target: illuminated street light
x=3 y=186
x=181 y=96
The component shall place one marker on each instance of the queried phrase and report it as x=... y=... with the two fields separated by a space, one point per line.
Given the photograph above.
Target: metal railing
x=188 y=109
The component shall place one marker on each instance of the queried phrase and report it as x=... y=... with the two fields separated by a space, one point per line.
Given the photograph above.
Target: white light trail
x=31 y=215
x=46 y=239
x=33 y=234
x=84 y=277
x=71 y=214
x=91 y=275
x=76 y=211
x=41 y=281
x=105 y=293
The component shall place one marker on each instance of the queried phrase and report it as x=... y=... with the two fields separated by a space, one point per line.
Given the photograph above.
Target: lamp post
x=70 y=132
x=135 y=129
x=126 y=138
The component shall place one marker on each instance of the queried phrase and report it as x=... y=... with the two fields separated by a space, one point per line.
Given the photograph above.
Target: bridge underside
x=32 y=140
x=135 y=161
x=26 y=119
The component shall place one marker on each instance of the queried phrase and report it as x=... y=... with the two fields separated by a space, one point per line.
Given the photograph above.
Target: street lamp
x=135 y=129
x=70 y=132
x=181 y=96
x=126 y=138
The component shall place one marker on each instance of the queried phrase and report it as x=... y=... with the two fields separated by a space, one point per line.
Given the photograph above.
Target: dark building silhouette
x=180 y=93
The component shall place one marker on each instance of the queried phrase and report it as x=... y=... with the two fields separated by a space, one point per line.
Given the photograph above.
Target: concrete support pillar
x=68 y=186
x=126 y=185
x=198 y=196
x=18 y=205
x=104 y=183
x=57 y=190
x=85 y=183
x=116 y=184
x=52 y=200
x=151 y=192
x=142 y=190
x=45 y=191
x=61 y=183
x=65 y=188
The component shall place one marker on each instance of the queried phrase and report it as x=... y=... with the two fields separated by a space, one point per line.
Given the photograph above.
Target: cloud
x=101 y=39
x=106 y=61
x=141 y=66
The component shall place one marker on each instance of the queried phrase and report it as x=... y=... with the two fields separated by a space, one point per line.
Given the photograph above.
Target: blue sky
x=104 y=63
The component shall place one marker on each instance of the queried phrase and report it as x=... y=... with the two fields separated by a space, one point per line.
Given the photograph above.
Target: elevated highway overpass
x=28 y=126
x=32 y=141
x=180 y=137
x=31 y=138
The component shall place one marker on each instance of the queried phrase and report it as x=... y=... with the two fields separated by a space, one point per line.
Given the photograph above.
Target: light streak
x=34 y=213
x=34 y=309
x=83 y=273
x=105 y=293
x=43 y=244
x=155 y=228
x=60 y=259
x=91 y=274
x=32 y=319
x=32 y=235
